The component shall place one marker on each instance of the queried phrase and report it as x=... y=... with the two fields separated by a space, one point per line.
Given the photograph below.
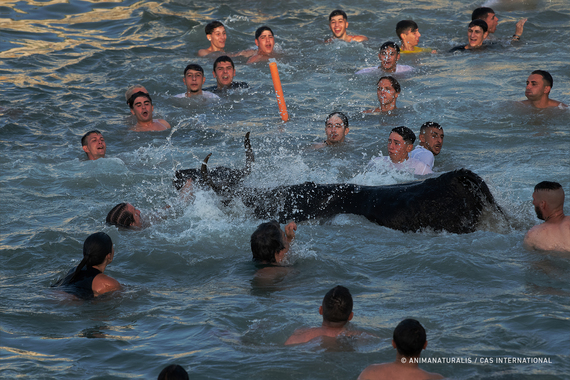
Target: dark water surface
x=190 y=296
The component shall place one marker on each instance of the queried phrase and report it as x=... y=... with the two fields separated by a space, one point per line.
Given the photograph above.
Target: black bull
x=452 y=202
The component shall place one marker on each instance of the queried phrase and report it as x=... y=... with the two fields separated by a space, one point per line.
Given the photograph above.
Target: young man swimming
x=142 y=108
x=338 y=22
x=409 y=34
x=216 y=34
x=389 y=56
x=94 y=145
x=488 y=15
x=477 y=31
x=538 y=86
x=194 y=79
x=431 y=141
x=336 y=128
x=387 y=89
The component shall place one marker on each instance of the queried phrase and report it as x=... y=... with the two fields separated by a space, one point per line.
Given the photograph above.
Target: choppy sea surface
x=190 y=295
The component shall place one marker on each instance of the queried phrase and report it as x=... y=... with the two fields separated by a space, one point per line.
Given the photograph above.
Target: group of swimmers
x=270 y=244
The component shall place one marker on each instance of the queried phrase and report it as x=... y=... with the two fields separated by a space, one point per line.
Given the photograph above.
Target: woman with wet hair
x=87 y=279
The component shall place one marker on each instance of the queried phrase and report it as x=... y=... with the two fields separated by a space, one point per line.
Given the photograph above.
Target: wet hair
x=429 y=124
x=393 y=81
x=481 y=13
x=390 y=44
x=480 y=23
x=338 y=12
x=213 y=25
x=95 y=248
x=410 y=338
x=262 y=29
x=133 y=97
x=266 y=241
x=404 y=26
x=119 y=216
x=131 y=90
x=340 y=115
x=193 y=67
x=337 y=305
x=545 y=76
x=547 y=185
x=173 y=372
x=84 y=138
x=223 y=58
x=407 y=134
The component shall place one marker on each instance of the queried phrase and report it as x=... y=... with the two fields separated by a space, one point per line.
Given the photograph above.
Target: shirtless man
x=336 y=310
x=338 y=22
x=431 y=141
x=265 y=43
x=554 y=233
x=194 y=79
x=538 y=86
x=270 y=244
x=488 y=15
x=388 y=90
x=94 y=145
x=224 y=73
x=336 y=128
x=142 y=108
x=409 y=340
x=409 y=34
x=216 y=34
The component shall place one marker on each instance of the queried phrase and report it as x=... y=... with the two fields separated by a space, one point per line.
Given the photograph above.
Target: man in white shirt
x=194 y=79
x=431 y=141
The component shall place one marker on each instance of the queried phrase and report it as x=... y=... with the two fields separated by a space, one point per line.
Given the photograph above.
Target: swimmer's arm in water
x=164 y=122
x=519 y=29
x=103 y=284
x=244 y=53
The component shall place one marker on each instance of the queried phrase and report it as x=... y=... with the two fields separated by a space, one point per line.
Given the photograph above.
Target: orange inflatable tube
x=278 y=91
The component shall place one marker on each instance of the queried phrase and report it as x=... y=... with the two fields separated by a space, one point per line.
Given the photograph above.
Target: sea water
x=190 y=295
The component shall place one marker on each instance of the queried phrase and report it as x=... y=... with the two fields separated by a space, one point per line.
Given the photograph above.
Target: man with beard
x=554 y=233
x=431 y=141
x=538 y=86
x=142 y=108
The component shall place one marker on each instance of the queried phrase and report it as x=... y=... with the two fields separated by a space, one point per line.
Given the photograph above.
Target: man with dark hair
x=224 y=73
x=538 y=86
x=409 y=340
x=265 y=42
x=216 y=34
x=173 y=372
x=338 y=22
x=488 y=15
x=400 y=144
x=389 y=56
x=477 y=31
x=336 y=128
x=554 y=233
x=387 y=90
x=93 y=145
x=269 y=243
x=194 y=79
x=336 y=310
x=431 y=141
x=141 y=107
x=409 y=34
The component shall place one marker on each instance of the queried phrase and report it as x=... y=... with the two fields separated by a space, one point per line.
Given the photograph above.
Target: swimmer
x=132 y=89
x=87 y=279
x=194 y=79
x=224 y=73
x=216 y=34
x=389 y=56
x=387 y=89
x=265 y=43
x=93 y=145
x=270 y=244
x=554 y=233
x=336 y=310
x=400 y=144
x=409 y=340
x=336 y=128
x=173 y=372
x=477 y=31
x=142 y=108
x=409 y=34
x=338 y=22
x=538 y=86
x=488 y=15
x=127 y=216
x=431 y=141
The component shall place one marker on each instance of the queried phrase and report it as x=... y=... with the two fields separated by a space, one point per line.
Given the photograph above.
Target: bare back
x=549 y=236
x=396 y=371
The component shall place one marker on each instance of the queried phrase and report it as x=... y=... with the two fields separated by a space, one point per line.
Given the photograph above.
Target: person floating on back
x=87 y=279
x=431 y=141
x=409 y=340
x=488 y=15
x=216 y=34
x=554 y=233
x=338 y=22
x=409 y=34
x=336 y=310
x=477 y=31
x=142 y=108
x=93 y=145
x=538 y=86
